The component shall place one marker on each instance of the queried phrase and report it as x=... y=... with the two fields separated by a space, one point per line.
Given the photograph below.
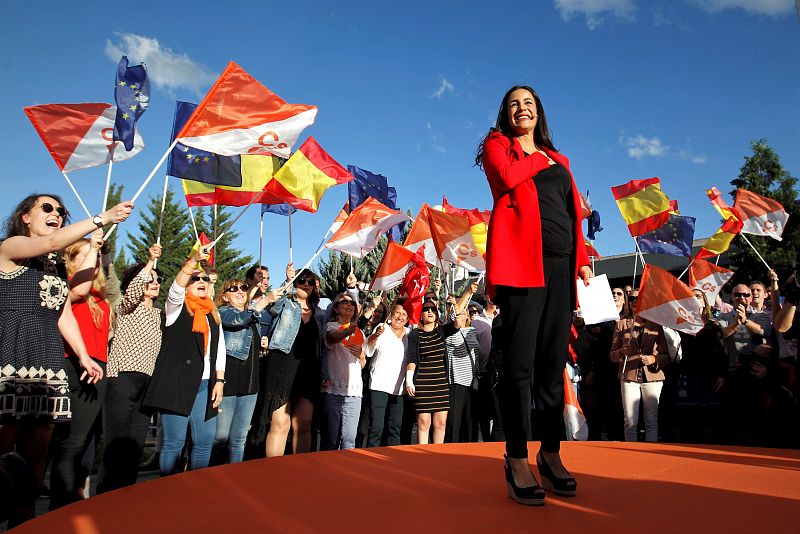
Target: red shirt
x=514 y=244
x=95 y=339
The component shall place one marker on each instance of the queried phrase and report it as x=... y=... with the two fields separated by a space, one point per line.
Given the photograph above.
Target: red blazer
x=514 y=246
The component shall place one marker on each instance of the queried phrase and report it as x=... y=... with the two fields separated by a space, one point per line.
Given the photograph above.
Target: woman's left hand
x=91 y=369
x=585 y=273
x=648 y=360
x=216 y=394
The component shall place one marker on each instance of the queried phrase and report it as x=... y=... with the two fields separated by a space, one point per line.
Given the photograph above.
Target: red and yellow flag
x=643 y=205
x=306 y=176
x=715 y=196
x=478 y=223
x=256 y=172
x=721 y=240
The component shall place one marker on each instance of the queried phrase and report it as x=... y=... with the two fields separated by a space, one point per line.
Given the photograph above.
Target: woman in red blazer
x=535 y=252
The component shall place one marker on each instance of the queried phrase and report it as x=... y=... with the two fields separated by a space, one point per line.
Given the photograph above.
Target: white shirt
x=388 y=362
x=341 y=368
x=172 y=309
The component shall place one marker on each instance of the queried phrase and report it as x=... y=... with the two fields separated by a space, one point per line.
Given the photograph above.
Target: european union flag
x=198 y=165
x=366 y=184
x=132 y=95
x=593 y=224
x=279 y=209
x=674 y=238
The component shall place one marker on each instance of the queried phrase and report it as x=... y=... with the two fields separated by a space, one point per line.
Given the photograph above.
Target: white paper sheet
x=596 y=301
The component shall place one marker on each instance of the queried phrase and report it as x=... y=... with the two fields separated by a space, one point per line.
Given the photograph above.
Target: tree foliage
x=763 y=173
x=228 y=260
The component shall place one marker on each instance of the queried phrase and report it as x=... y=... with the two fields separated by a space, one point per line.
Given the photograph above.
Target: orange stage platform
x=623 y=487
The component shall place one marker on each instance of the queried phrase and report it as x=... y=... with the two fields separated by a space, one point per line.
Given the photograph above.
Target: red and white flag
x=339 y=220
x=708 y=278
x=667 y=301
x=590 y=250
x=586 y=206
x=574 y=420
x=396 y=261
x=241 y=116
x=420 y=234
x=760 y=215
x=79 y=136
x=415 y=283
x=360 y=232
x=452 y=237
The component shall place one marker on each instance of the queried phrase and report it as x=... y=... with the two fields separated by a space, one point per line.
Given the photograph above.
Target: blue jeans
x=233 y=422
x=339 y=422
x=175 y=435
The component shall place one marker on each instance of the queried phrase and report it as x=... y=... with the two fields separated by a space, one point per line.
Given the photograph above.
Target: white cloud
x=596 y=11
x=166 y=69
x=688 y=155
x=434 y=140
x=444 y=87
x=758 y=7
x=641 y=146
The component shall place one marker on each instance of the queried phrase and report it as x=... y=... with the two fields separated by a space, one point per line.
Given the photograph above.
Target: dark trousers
x=70 y=440
x=485 y=407
x=125 y=429
x=534 y=335
x=385 y=418
x=409 y=420
x=458 y=428
x=363 y=421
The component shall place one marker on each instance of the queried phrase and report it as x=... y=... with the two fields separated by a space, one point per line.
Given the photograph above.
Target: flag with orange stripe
x=478 y=223
x=667 y=301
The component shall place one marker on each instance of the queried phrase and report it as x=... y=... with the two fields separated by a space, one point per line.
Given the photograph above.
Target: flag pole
x=194 y=226
x=307 y=265
x=291 y=254
x=230 y=224
x=261 y=240
x=635 y=267
x=76 y=193
x=215 y=227
x=754 y=250
x=686 y=269
x=161 y=215
x=146 y=181
x=108 y=176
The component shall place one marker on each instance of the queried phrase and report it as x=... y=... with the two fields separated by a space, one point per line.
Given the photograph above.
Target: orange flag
x=420 y=234
x=452 y=237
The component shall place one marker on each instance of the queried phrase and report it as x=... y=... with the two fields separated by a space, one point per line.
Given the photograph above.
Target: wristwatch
x=98 y=221
x=219 y=380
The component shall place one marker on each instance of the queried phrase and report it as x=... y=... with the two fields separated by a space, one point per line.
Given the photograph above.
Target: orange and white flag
x=667 y=301
x=452 y=237
x=339 y=220
x=420 y=234
x=360 y=232
x=708 y=278
x=760 y=215
x=574 y=420
x=478 y=223
x=241 y=116
x=392 y=270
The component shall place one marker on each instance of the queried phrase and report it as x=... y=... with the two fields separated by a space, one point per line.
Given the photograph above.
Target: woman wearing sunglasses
x=35 y=312
x=136 y=343
x=426 y=373
x=342 y=387
x=189 y=375
x=292 y=377
x=93 y=313
x=243 y=343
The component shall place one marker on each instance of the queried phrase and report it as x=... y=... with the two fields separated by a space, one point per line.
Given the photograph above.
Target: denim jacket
x=286 y=324
x=238 y=328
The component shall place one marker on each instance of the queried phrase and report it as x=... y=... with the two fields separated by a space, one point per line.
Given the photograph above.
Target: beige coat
x=635 y=338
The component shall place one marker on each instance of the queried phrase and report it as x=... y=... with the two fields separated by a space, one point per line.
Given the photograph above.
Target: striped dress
x=432 y=392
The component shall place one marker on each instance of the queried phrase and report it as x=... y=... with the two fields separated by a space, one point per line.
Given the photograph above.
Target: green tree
x=228 y=260
x=763 y=173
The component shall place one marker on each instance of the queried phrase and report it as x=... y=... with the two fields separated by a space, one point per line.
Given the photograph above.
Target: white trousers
x=634 y=395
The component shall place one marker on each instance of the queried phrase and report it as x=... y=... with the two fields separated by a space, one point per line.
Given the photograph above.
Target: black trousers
x=534 y=336
x=125 y=429
x=458 y=428
x=385 y=418
x=71 y=439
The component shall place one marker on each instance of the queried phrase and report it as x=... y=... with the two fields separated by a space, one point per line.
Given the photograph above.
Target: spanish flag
x=478 y=223
x=715 y=196
x=306 y=176
x=256 y=171
x=643 y=205
x=721 y=240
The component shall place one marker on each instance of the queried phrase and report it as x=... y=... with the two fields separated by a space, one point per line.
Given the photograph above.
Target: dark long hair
x=14 y=225
x=541 y=132
x=313 y=296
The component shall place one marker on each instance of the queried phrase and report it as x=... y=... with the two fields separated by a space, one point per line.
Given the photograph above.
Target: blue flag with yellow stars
x=132 y=95
x=366 y=184
x=279 y=209
x=674 y=238
x=198 y=165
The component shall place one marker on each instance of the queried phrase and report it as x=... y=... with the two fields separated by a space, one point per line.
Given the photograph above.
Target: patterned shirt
x=138 y=334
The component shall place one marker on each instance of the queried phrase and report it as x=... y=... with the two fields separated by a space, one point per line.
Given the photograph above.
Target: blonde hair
x=218 y=301
x=98 y=283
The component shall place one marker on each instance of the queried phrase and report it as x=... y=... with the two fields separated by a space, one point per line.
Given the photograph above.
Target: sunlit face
x=235 y=294
x=742 y=295
x=399 y=316
x=346 y=308
x=153 y=287
x=759 y=294
x=198 y=285
x=522 y=112
x=39 y=221
x=619 y=296
x=429 y=314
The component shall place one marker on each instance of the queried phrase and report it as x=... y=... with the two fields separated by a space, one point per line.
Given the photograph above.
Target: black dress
x=33 y=378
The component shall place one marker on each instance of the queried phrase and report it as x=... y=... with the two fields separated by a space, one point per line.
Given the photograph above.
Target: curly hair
x=14 y=226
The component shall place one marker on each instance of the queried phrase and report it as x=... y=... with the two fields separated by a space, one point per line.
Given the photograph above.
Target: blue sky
x=632 y=89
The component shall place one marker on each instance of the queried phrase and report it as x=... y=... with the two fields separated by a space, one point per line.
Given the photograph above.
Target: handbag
x=475 y=384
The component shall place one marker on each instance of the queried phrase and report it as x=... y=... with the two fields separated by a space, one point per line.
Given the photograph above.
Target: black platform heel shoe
x=531 y=496
x=567 y=487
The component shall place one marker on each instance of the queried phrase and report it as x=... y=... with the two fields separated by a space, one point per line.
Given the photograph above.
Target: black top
x=241 y=376
x=554 y=186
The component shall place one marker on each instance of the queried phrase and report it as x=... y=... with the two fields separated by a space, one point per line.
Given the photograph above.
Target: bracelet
x=184 y=272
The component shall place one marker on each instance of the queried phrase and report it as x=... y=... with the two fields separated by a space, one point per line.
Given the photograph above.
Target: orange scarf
x=200 y=308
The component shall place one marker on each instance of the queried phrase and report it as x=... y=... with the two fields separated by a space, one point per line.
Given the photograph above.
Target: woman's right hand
x=90 y=369
x=118 y=213
x=202 y=254
x=96 y=239
x=154 y=251
x=290 y=271
x=648 y=360
x=410 y=389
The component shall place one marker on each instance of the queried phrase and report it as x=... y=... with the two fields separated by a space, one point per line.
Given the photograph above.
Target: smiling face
x=619 y=296
x=345 y=308
x=399 y=316
x=742 y=295
x=522 y=112
x=234 y=293
x=429 y=314
x=39 y=221
x=152 y=289
x=759 y=293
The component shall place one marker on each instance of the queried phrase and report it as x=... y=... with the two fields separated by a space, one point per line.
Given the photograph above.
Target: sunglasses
x=48 y=208
x=157 y=279
x=305 y=281
x=472 y=311
x=631 y=298
x=616 y=294
x=234 y=289
x=347 y=301
x=196 y=278
x=740 y=295
x=428 y=309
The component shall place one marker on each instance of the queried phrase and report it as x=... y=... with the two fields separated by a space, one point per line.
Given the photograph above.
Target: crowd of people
x=231 y=370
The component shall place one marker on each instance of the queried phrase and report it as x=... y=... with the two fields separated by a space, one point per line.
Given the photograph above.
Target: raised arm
x=81 y=283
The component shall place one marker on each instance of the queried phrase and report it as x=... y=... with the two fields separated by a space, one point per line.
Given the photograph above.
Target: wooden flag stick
x=69 y=182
